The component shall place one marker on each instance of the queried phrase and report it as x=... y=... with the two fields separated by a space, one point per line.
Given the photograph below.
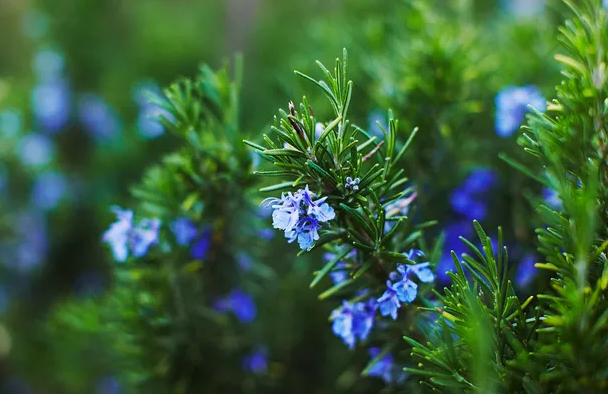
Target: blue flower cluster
x=511 y=107
x=354 y=321
x=124 y=237
x=239 y=303
x=300 y=216
x=400 y=286
x=468 y=198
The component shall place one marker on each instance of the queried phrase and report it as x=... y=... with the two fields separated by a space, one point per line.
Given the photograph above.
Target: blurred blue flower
x=239 y=303
x=480 y=180
x=201 y=245
x=143 y=236
x=266 y=234
x=244 y=261
x=51 y=105
x=383 y=368
x=98 y=118
x=512 y=105
x=49 y=188
x=256 y=362
x=123 y=237
x=28 y=248
x=552 y=198
x=10 y=122
x=526 y=271
x=148 y=123
x=184 y=230
x=36 y=150
x=48 y=65
x=108 y=385
x=353 y=322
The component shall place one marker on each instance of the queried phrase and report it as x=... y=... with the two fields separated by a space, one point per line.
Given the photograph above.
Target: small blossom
x=385 y=367
x=512 y=105
x=480 y=180
x=406 y=290
x=353 y=322
x=352 y=184
x=201 y=245
x=256 y=362
x=51 y=105
x=98 y=118
x=144 y=236
x=526 y=271
x=300 y=216
x=184 y=230
x=49 y=189
x=552 y=198
x=124 y=238
x=389 y=302
x=239 y=303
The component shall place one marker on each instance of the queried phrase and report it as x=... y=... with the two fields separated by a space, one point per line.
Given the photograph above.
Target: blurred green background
x=76 y=134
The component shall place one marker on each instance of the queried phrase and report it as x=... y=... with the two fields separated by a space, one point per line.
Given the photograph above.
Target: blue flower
x=552 y=198
x=117 y=236
x=406 y=290
x=184 y=230
x=389 y=302
x=353 y=322
x=511 y=107
x=201 y=246
x=98 y=118
x=383 y=368
x=144 y=236
x=244 y=261
x=123 y=237
x=480 y=180
x=256 y=362
x=51 y=105
x=526 y=271
x=36 y=150
x=300 y=217
x=49 y=188
x=148 y=121
x=239 y=303
x=352 y=184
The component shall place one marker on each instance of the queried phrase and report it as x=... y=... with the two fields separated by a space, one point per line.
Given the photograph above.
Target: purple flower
x=526 y=271
x=552 y=198
x=385 y=367
x=389 y=302
x=144 y=236
x=300 y=216
x=480 y=180
x=201 y=246
x=184 y=230
x=123 y=237
x=51 y=105
x=353 y=322
x=256 y=362
x=98 y=118
x=36 y=150
x=512 y=105
x=49 y=188
x=239 y=303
